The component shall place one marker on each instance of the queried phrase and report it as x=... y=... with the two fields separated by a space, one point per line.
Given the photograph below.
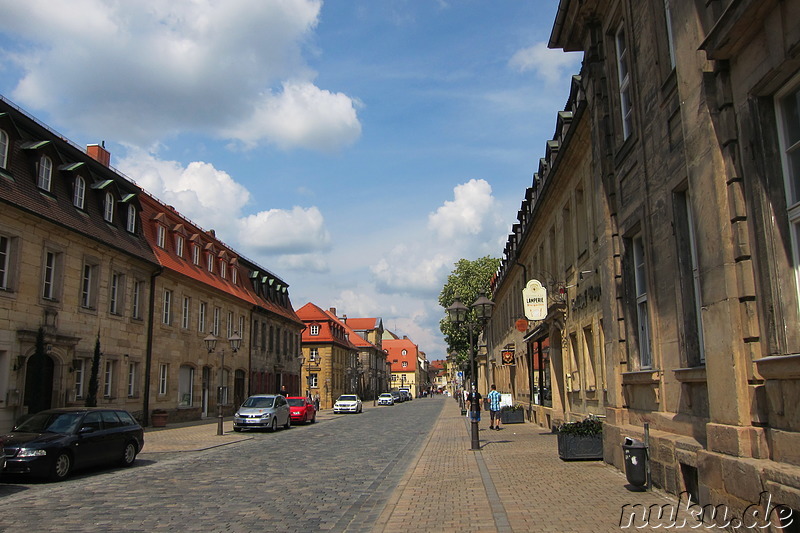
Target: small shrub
x=587 y=427
x=511 y=408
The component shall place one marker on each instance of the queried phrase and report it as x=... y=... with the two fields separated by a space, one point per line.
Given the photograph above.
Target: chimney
x=332 y=310
x=99 y=153
x=344 y=319
x=212 y=233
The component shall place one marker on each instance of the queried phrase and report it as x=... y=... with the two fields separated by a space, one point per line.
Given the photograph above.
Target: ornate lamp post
x=457 y=315
x=211 y=342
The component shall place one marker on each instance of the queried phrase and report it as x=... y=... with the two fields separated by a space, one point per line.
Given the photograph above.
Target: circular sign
x=522 y=325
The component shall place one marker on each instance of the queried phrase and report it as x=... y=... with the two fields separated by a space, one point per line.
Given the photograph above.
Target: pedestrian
x=494 y=408
x=474 y=402
x=284 y=392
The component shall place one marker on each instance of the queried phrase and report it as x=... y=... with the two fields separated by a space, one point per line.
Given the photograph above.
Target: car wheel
x=237 y=429
x=129 y=454
x=61 y=467
x=288 y=423
x=274 y=426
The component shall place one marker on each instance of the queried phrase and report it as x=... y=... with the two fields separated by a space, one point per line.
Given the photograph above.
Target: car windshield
x=386 y=395
x=296 y=402
x=347 y=398
x=51 y=422
x=259 y=402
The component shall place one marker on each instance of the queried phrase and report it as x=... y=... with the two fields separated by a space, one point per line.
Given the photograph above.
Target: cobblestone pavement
x=390 y=469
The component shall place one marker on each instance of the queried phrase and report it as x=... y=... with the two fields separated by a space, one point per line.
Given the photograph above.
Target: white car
x=386 y=399
x=347 y=403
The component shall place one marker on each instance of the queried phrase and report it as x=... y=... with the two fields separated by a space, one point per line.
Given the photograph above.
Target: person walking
x=474 y=402
x=494 y=408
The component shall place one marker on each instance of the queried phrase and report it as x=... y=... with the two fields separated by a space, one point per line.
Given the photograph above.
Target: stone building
x=554 y=366
x=404 y=357
x=74 y=264
x=372 y=356
x=327 y=354
x=693 y=110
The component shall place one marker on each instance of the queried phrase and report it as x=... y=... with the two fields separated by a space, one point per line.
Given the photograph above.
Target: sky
x=355 y=148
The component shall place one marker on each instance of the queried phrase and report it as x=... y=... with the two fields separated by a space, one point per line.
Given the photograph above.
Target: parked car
x=386 y=399
x=2 y=455
x=263 y=411
x=55 y=442
x=301 y=409
x=406 y=395
x=347 y=403
x=397 y=397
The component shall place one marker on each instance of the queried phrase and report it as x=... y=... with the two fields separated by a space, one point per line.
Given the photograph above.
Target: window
x=314 y=330
x=161 y=235
x=241 y=327
x=201 y=318
x=89 y=286
x=215 y=326
x=405 y=364
x=223 y=393
x=131 y=224
x=132 y=380
x=567 y=236
x=788 y=109
x=313 y=381
x=404 y=352
x=108 y=207
x=640 y=291
x=230 y=324
x=623 y=78
x=234 y=277
x=166 y=316
x=79 y=366
x=185 y=313
x=162 y=379
x=185 y=386
x=51 y=273
x=79 y=192
x=3 y=149
x=223 y=269
x=195 y=254
x=670 y=41
x=689 y=280
x=179 y=245
x=590 y=372
x=5 y=262
x=264 y=337
x=581 y=222
x=107 y=379
x=45 y=173
x=314 y=354
x=137 y=299
x=210 y=262
x=115 y=293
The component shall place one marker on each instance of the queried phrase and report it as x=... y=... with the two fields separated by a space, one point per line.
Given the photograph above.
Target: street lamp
x=457 y=315
x=211 y=342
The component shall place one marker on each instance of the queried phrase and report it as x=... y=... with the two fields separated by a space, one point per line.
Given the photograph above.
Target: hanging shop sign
x=534 y=297
x=508 y=357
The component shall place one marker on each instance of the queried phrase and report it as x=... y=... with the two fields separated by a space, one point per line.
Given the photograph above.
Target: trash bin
x=635 y=462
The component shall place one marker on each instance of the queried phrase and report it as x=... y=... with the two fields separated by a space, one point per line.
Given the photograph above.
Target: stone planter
x=580 y=447
x=512 y=417
x=158 y=419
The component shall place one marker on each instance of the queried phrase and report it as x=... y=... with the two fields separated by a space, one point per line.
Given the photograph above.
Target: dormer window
x=233 y=276
x=314 y=330
x=179 y=245
x=108 y=207
x=3 y=149
x=405 y=364
x=45 y=173
x=79 y=194
x=195 y=254
x=161 y=235
x=223 y=269
x=131 y=225
x=210 y=262
x=404 y=352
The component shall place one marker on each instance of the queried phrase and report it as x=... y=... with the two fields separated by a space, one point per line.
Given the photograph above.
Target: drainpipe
x=148 y=357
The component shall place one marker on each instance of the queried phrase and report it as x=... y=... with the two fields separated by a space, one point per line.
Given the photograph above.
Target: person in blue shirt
x=494 y=408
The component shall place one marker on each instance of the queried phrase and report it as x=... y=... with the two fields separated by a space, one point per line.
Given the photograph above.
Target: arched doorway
x=39 y=371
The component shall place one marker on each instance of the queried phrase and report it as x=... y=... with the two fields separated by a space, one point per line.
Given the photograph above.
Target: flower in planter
x=511 y=408
x=589 y=426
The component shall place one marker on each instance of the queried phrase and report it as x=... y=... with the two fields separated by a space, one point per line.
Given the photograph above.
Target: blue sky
x=357 y=148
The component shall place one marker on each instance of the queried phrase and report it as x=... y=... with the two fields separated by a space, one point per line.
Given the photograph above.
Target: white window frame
x=234 y=277
x=314 y=380
x=642 y=311
x=161 y=235
x=790 y=156
x=695 y=264
x=313 y=354
x=241 y=327
x=132 y=380
x=210 y=262
x=201 y=317
x=108 y=207
x=5 y=262
x=131 y=223
x=670 y=39
x=179 y=242
x=185 y=312
x=79 y=192
x=624 y=79
x=166 y=316
x=108 y=378
x=80 y=376
x=44 y=173
x=185 y=385
x=3 y=149
x=163 y=375
x=89 y=286
x=230 y=324
x=195 y=254
x=223 y=269
x=115 y=294
x=137 y=299
x=50 y=275
x=215 y=325
x=313 y=330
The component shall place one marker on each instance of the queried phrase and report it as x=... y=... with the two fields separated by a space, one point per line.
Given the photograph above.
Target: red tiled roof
x=363 y=324
x=312 y=315
x=354 y=337
x=394 y=348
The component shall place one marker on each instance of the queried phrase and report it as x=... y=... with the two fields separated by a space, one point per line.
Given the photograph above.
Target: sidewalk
x=516 y=482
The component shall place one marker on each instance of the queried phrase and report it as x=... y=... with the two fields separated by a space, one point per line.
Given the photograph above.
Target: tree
x=466 y=282
x=91 y=398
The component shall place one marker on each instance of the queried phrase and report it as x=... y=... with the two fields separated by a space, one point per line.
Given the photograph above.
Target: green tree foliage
x=91 y=398
x=466 y=282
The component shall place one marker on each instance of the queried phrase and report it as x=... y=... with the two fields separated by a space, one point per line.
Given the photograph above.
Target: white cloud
x=148 y=69
x=279 y=231
x=549 y=64
x=466 y=214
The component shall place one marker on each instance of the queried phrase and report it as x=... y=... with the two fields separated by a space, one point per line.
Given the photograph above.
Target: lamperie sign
x=534 y=298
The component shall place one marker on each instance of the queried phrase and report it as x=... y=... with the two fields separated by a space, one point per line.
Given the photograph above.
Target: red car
x=301 y=409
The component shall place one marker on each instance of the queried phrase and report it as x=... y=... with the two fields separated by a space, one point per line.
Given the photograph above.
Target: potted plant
x=159 y=418
x=580 y=440
x=512 y=414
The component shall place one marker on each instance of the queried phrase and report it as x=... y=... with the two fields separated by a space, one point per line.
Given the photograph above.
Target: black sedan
x=52 y=443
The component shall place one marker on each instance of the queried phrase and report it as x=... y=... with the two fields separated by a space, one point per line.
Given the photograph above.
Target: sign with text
x=534 y=298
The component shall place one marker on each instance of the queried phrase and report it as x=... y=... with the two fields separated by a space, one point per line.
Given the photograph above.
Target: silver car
x=347 y=403
x=263 y=411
